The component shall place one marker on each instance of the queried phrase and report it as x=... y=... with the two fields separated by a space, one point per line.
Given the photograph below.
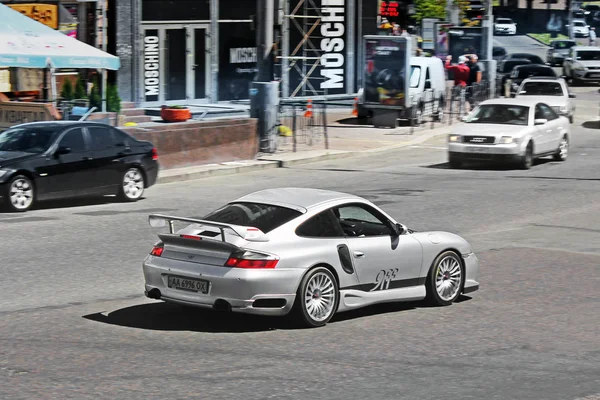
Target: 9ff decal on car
x=383 y=279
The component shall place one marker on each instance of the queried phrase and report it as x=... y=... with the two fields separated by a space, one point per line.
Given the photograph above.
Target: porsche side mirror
x=399 y=229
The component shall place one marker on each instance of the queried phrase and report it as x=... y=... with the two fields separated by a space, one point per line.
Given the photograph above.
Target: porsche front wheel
x=446 y=279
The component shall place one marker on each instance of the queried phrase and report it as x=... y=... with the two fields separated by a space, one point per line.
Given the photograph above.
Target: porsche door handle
x=359 y=254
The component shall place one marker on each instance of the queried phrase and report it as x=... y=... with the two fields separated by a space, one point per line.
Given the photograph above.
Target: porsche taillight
x=251 y=260
x=157 y=250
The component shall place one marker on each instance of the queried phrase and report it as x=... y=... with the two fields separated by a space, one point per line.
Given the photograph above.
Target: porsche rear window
x=265 y=217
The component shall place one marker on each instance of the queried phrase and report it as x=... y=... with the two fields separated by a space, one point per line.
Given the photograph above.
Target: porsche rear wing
x=249 y=233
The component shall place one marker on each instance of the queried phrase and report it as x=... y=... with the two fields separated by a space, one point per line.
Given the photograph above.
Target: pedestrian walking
x=592 y=36
x=461 y=71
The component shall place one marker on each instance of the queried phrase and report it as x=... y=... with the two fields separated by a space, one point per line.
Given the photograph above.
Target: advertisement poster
x=428 y=33
x=327 y=42
x=464 y=40
x=237 y=61
x=385 y=71
x=441 y=38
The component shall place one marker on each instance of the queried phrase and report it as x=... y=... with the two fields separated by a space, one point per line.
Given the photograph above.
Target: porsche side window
x=360 y=221
x=322 y=225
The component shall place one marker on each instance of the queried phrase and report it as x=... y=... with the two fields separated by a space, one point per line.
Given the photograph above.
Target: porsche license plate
x=187 y=284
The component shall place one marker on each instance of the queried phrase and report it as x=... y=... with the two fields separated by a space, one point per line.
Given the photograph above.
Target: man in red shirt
x=461 y=71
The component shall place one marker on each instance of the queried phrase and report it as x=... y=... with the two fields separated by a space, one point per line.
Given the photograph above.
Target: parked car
x=50 y=160
x=511 y=130
x=591 y=8
x=558 y=51
x=505 y=26
x=522 y=72
x=510 y=61
x=427 y=85
x=552 y=91
x=305 y=252
x=582 y=64
x=498 y=53
x=581 y=29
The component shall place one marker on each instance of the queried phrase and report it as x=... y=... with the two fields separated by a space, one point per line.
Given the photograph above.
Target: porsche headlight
x=454 y=138
x=508 y=140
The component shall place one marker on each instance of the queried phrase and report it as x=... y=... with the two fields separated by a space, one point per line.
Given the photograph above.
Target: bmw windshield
x=27 y=139
x=505 y=114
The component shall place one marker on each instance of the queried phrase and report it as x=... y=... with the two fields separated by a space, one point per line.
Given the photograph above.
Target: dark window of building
x=236 y=9
x=175 y=10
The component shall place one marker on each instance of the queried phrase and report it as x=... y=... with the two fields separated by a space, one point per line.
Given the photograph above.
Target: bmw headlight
x=3 y=172
x=508 y=140
x=454 y=138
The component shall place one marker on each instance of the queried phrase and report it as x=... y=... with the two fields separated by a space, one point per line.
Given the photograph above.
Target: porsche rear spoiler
x=249 y=233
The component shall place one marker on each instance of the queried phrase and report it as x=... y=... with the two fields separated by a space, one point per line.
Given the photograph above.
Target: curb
x=221 y=171
x=537 y=40
x=271 y=163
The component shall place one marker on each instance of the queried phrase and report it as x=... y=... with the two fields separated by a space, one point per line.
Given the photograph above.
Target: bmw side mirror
x=63 y=150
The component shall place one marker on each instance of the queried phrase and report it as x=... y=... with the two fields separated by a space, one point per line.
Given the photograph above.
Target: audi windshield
x=505 y=114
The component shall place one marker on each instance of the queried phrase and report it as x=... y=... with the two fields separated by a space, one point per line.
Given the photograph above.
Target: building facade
x=204 y=51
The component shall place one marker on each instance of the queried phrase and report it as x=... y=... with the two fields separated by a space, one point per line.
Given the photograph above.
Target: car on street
x=506 y=65
x=515 y=130
x=558 y=51
x=591 y=8
x=552 y=91
x=498 y=53
x=522 y=72
x=63 y=159
x=582 y=64
x=304 y=251
x=581 y=29
x=505 y=26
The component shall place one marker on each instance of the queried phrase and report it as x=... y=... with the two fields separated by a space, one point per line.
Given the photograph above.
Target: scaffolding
x=299 y=57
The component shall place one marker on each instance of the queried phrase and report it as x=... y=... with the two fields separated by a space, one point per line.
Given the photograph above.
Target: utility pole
x=264 y=93
x=488 y=32
x=571 y=7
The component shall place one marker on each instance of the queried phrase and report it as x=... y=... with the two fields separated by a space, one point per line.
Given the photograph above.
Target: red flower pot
x=175 y=114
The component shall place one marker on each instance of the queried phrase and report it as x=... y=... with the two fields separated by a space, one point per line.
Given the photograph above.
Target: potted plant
x=175 y=113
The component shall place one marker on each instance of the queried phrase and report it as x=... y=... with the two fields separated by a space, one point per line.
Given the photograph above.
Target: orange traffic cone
x=355 y=108
x=308 y=113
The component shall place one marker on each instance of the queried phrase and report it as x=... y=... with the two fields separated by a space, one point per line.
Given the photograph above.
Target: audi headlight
x=508 y=140
x=454 y=138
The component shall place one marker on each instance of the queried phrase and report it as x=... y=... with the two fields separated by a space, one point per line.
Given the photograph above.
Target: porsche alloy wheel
x=132 y=185
x=317 y=298
x=20 y=196
x=446 y=279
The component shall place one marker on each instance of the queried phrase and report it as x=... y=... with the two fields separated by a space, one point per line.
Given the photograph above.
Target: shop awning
x=27 y=43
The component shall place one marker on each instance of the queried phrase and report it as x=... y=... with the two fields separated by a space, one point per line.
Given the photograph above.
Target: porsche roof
x=304 y=198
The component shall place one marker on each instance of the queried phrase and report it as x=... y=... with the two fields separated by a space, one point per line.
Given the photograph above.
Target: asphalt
x=75 y=323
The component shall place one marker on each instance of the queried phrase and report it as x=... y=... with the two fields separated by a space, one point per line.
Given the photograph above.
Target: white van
x=427 y=88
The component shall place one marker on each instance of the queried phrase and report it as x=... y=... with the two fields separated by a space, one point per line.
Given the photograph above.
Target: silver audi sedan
x=306 y=251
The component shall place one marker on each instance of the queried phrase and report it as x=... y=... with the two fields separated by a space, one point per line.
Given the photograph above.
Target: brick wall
x=194 y=143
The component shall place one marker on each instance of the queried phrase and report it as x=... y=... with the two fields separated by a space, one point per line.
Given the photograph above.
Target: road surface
x=75 y=323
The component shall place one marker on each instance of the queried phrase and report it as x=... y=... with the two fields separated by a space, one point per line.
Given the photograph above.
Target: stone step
x=138 y=119
x=127 y=104
x=133 y=112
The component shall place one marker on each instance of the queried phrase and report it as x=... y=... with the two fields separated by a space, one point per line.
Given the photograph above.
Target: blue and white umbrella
x=27 y=43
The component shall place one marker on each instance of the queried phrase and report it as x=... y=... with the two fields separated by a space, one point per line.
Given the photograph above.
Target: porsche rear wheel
x=317 y=298
x=446 y=279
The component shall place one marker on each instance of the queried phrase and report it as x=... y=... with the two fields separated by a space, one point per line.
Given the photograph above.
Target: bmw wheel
x=563 y=149
x=317 y=298
x=446 y=279
x=132 y=185
x=20 y=195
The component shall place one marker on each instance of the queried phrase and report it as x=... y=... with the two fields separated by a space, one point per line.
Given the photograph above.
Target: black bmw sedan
x=50 y=160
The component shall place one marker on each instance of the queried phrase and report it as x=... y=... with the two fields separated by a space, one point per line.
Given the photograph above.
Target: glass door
x=201 y=66
x=175 y=56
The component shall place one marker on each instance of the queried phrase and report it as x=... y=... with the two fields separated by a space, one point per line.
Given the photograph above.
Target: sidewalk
x=346 y=139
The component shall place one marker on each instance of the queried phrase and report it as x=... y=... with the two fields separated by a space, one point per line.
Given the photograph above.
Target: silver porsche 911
x=307 y=251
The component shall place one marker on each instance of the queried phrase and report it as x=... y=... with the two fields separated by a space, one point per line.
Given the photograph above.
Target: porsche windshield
x=27 y=140
x=505 y=114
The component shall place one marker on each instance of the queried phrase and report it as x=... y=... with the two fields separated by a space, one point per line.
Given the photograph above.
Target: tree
x=80 y=92
x=113 y=100
x=429 y=9
x=67 y=90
